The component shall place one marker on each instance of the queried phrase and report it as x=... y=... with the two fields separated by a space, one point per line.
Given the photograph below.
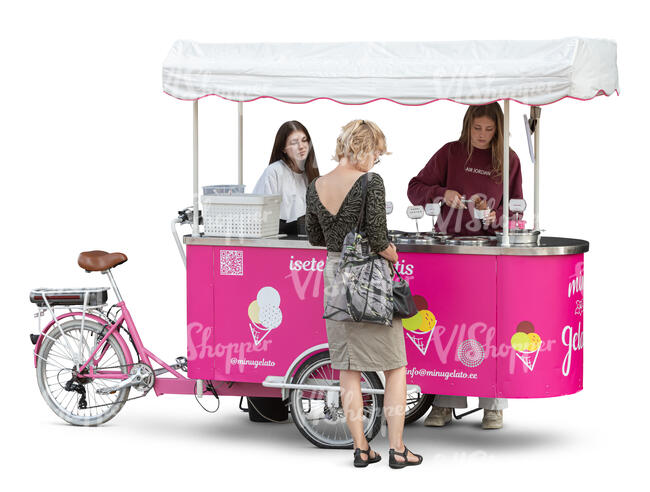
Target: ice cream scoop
x=254 y=311
x=535 y=342
x=428 y=321
x=520 y=341
x=525 y=327
x=414 y=322
x=268 y=296
x=420 y=302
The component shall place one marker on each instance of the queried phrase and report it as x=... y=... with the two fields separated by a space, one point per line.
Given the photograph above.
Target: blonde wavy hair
x=358 y=140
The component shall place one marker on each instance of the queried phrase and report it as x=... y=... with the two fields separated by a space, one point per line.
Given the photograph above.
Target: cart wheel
x=75 y=399
x=417 y=405
x=318 y=414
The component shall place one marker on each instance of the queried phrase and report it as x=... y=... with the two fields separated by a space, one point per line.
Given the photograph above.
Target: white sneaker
x=492 y=419
x=438 y=417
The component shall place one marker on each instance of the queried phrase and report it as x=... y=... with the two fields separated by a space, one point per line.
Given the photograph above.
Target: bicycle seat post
x=113 y=284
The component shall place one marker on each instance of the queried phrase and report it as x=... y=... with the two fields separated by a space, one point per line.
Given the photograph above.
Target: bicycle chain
x=119 y=401
x=153 y=373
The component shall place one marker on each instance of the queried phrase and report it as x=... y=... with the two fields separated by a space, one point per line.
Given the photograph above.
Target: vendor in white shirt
x=291 y=168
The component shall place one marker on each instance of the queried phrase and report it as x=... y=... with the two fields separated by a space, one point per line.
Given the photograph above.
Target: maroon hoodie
x=449 y=169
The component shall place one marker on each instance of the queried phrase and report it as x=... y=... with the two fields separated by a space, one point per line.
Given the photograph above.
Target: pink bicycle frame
x=179 y=384
x=145 y=355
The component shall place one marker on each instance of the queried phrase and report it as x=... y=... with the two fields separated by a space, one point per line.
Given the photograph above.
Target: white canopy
x=470 y=72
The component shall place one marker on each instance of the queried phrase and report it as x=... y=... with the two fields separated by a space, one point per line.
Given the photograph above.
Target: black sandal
x=359 y=463
x=393 y=463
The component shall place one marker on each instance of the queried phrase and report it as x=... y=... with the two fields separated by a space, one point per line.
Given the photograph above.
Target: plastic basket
x=241 y=215
x=224 y=190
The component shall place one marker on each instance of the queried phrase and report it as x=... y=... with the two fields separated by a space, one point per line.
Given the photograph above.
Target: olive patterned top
x=325 y=229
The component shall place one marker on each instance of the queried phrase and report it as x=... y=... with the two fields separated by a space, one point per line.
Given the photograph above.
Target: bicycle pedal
x=106 y=391
x=181 y=362
x=132 y=380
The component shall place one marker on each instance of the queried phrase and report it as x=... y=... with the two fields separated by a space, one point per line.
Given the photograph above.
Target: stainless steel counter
x=549 y=246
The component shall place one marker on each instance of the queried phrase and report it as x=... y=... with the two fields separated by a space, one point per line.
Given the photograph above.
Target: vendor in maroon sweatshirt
x=470 y=168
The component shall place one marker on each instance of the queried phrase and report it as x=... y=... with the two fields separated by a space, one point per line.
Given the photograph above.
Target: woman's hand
x=479 y=202
x=453 y=199
x=491 y=218
x=390 y=253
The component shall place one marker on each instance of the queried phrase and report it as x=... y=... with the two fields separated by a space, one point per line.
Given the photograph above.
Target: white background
x=95 y=156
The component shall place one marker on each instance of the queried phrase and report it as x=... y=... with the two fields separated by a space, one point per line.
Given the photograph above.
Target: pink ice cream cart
x=255 y=300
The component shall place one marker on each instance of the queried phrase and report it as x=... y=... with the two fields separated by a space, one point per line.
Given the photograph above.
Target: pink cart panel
x=492 y=326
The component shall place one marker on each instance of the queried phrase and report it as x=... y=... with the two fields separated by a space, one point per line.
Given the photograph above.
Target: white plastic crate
x=224 y=190
x=241 y=215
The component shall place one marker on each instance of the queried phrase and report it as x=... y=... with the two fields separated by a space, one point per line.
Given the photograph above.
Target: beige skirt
x=362 y=346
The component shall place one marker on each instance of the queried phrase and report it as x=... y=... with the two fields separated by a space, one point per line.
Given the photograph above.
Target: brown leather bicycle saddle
x=98 y=261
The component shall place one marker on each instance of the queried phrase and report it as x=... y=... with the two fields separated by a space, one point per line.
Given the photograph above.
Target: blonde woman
x=333 y=207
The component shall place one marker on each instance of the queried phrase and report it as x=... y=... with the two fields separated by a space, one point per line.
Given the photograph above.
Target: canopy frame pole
x=240 y=142
x=195 y=155
x=537 y=112
x=506 y=173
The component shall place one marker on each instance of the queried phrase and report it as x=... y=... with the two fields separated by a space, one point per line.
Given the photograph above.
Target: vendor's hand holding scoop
x=481 y=204
x=454 y=199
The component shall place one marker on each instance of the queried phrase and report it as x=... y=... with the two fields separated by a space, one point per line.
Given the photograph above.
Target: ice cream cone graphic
x=528 y=358
x=264 y=313
x=419 y=328
x=259 y=332
x=526 y=344
x=420 y=340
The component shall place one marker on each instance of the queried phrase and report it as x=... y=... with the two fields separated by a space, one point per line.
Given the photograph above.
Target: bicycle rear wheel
x=63 y=391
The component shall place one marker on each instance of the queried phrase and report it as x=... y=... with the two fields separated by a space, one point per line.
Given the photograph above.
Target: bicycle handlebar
x=185 y=216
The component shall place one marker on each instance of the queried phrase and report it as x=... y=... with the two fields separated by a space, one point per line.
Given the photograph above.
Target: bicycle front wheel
x=417 y=405
x=318 y=413
x=71 y=396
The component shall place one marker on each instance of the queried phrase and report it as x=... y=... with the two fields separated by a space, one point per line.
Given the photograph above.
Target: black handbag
x=403 y=303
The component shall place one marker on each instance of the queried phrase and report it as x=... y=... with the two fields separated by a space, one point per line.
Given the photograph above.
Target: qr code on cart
x=232 y=262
